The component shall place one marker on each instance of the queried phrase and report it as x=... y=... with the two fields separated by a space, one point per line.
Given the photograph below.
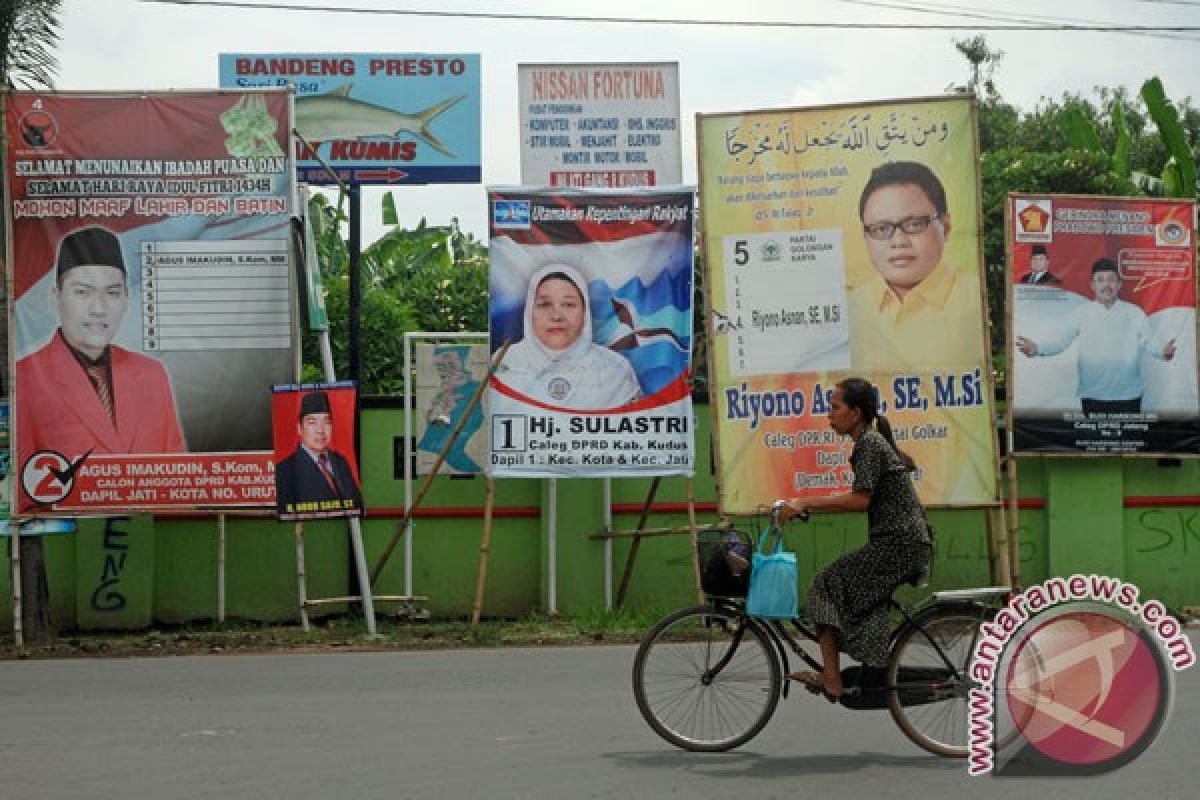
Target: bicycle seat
x=981 y=593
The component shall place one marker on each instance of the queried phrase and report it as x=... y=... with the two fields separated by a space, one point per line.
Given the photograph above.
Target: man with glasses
x=915 y=310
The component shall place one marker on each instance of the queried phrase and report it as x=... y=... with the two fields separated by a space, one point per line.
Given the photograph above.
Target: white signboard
x=599 y=125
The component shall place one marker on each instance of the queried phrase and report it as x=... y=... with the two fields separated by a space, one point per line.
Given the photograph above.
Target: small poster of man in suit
x=316 y=475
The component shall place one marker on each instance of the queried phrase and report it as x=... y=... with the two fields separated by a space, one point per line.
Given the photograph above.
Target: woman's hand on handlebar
x=785 y=510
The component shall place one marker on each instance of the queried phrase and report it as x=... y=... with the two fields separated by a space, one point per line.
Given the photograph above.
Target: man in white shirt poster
x=1111 y=334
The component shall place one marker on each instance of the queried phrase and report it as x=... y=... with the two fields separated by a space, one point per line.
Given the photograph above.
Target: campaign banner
x=592 y=291
x=375 y=118
x=151 y=268
x=448 y=375
x=316 y=472
x=1102 y=325
x=839 y=242
x=606 y=126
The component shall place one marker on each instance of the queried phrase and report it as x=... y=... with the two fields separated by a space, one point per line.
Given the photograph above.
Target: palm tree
x=28 y=35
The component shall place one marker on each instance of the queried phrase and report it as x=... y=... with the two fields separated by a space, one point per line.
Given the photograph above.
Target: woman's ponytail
x=885 y=430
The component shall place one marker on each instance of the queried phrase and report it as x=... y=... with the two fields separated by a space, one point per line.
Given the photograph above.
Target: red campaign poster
x=150 y=252
x=1102 y=335
x=316 y=475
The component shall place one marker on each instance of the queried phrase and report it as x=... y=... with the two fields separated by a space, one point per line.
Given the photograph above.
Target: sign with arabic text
x=841 y=242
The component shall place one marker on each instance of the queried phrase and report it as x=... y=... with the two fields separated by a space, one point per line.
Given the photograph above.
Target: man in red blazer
x=80 y=392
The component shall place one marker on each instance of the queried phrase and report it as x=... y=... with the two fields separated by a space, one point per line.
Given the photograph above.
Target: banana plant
x=1179 y=174
x=1081 y=134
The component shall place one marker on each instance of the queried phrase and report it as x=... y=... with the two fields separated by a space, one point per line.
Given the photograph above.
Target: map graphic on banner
x=599 y=125
x=376 y=118
x=1102 y=293
x=843 y=242
x=447 y=377
x=150 y=240
x=594 y=292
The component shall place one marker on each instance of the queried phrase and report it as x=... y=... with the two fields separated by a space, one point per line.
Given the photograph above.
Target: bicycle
x=709 y=678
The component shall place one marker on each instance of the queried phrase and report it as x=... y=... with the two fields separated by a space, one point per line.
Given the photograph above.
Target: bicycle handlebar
x=778 y=507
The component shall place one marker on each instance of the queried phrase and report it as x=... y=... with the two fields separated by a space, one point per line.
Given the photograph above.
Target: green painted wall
x=139 y=571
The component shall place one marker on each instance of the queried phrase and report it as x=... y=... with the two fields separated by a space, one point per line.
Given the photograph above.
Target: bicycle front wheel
x=707 y=679
x=929 y=701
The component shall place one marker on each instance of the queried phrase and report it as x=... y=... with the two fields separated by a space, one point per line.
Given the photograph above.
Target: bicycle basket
x=724 y=562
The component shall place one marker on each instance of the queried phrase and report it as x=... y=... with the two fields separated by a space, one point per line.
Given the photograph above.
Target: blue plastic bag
x=773 y=593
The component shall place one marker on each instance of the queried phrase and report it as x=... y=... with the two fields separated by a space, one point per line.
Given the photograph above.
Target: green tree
x=429 y=278
x=1114 y=144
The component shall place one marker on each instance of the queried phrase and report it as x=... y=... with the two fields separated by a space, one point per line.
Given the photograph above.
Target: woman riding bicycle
x=848 y=599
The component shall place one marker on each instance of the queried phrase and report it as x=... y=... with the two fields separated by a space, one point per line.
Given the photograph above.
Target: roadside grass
x=346 y=632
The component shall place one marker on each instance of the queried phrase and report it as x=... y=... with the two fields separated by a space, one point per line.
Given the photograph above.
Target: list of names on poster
x=215 y=295
x=787 y=301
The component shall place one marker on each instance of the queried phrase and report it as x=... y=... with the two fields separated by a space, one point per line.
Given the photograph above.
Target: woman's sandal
x=814 y=683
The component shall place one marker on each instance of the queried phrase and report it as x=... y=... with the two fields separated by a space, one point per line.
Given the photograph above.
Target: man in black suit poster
x=316 y=481
x=1039 y=269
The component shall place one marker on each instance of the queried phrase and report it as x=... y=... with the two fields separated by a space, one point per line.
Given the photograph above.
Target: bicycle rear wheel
x=706 y=679
x=930 y=703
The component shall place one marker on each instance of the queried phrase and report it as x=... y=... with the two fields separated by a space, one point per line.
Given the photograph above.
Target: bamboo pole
x=220 y=566
x=484 y=548
x=14 y=528
x=637 y=541
x=1014 y=532
x=1003 y=575
x=301 y=576
x=714 y=526
x=691 y=509
x=437 y=465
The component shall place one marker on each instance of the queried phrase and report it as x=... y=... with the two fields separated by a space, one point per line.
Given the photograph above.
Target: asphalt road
x=469 y=724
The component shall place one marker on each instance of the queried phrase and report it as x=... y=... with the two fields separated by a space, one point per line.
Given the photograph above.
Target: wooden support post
x=1003 y=575
x=1014 y=532
x=221 y=566
x=992 y=552
x=637 y=541
x=301 y=577
x=14 y=529
x=484 y=547
x=691 y=510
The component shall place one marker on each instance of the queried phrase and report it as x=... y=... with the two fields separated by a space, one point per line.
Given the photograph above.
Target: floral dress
x=851 y=593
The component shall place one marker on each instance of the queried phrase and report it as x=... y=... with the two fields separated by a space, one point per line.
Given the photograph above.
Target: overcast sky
x=125 y=44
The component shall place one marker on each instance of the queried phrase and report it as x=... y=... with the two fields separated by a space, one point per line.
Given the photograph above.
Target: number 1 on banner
x=508 y=432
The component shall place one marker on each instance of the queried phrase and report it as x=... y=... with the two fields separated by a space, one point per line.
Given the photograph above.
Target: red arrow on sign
x=391 y=174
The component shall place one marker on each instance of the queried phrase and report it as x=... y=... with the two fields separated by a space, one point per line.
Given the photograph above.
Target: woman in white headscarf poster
x=593 y=292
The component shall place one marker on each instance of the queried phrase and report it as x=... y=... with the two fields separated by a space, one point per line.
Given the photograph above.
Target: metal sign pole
x=410 y=400
x=608 y=545
x=552 y=548
x=356 y=541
